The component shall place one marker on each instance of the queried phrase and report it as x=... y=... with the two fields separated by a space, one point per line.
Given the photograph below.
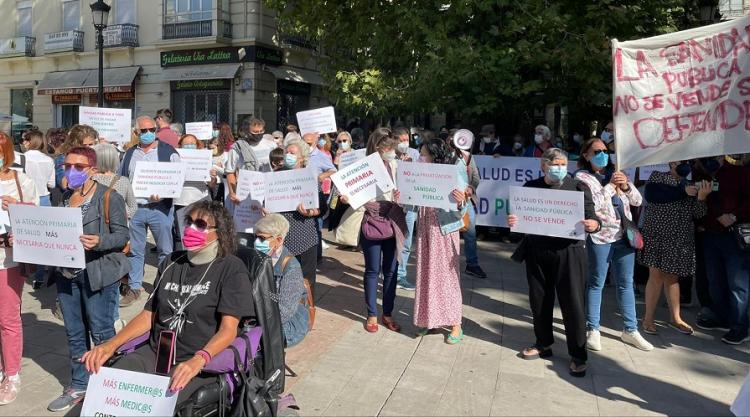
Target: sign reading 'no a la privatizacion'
x=428 y=185
x=548 y=212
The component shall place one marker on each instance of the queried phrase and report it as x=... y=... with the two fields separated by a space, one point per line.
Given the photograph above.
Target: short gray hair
x=107 y=158
x=551 y=154
x=144 y=117
x=273 y=224
x=178 y=128
x=304 y=150
x=545 y=131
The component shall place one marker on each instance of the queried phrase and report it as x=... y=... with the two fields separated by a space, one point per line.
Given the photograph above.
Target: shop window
x=202 y=106
x=22 y=111
x=24 y=25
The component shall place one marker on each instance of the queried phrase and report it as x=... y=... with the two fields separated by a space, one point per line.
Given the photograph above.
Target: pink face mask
x=194 y=239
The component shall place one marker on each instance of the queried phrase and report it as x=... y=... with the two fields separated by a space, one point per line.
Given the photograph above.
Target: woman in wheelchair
x=195 y=309
x=290 y=285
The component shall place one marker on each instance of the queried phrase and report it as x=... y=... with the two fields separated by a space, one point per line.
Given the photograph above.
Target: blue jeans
x=41 y=270
x=470 y=239
x=411 y=219
x=622 y=259
x=728 y=279
x=380 y=256
x=86 y=313
x=159 y=219
x=296 y=328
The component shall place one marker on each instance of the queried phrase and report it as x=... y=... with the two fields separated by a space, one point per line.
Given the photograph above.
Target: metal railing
x=69 y=40
x=125 y=34
x=197 y=29
x=19 y=46
x=299 y=41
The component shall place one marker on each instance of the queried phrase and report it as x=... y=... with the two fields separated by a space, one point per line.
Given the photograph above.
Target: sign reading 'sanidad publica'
x=548 y=212
x=428 y=185
x=683 y=95
x=116 y=392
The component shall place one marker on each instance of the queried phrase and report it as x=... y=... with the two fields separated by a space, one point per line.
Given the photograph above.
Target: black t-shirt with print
x=225 y=290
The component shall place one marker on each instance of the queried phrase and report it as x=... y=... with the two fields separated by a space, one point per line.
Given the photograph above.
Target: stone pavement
x=343 y=370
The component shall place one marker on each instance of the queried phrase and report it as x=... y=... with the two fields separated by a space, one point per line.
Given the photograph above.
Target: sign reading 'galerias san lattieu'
x=212 y=56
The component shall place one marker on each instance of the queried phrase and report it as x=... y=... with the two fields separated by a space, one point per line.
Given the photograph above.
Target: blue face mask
x=321 y=143
x=600 y=160
x=190 y=146
x=290 y=160
x=147 y=138
x=215 y=134
x=262 y=246
x=557 y=173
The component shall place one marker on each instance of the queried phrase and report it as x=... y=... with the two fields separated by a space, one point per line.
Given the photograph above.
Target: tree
x=475 y=58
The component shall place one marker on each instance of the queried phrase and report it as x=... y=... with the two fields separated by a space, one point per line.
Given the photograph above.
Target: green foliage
x=472 y=57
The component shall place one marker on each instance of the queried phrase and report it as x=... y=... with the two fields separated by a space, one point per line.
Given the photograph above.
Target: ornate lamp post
x=100 y=15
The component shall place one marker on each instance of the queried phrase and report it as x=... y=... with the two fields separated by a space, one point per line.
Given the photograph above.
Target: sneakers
x=405 y=285
x=709 y=324
x=594 y=340
x=67 y=400
x=634 y=338
x=735 y=338
x=130 y=297
x=476 y=271
x=9 y=389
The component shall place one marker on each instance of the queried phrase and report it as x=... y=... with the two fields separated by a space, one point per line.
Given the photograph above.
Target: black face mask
x=711 y=165
x=683 y=169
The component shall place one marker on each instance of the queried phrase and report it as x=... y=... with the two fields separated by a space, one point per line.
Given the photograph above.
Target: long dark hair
x=440 y=152
x=583 y=163
x=381 y=137
x=224 y=224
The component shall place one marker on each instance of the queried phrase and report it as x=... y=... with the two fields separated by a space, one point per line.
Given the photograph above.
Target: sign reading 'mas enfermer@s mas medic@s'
x=47 y=235
x=116 y=392
x=547 y=212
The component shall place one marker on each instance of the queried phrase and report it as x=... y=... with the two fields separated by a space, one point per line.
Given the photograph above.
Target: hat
x=463 y=139
x=487 y=130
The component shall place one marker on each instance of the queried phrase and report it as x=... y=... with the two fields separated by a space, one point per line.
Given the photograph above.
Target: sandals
x=453 y=340
x=650 y=329
x=371 y=327
x=536 y=352
x=577 y=369
x=390 y=324
x=683 y=327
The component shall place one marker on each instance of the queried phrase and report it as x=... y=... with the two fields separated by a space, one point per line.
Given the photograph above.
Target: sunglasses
x=200 y=224
x=152 y=129
x=78 y=167
x=597 y=152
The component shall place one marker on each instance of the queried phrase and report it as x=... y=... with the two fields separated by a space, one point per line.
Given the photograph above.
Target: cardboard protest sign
x=47 y=235
x=163 y=179
x=682 y=95
x=201 y=130
x=286 y=190
x=111 y=124
x=361 y=181
x=321 y=120
x=251 y=184
x=548 y=212
x=497 y=174
x=428 y=185
x=198 y=164
x=116 y=392
x=348 y=158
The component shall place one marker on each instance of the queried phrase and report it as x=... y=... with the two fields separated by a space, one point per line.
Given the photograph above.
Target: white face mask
x=538 y=139
x=517 y=145
x=487 y=139
x=403 y=147
x=389 y=156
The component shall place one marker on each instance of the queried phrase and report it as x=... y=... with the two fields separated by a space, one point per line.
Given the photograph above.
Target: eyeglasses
x=200 y=224
x=78 y=167
x=151 y=129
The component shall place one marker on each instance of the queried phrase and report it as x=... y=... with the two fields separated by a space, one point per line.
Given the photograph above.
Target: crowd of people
x=676 y=227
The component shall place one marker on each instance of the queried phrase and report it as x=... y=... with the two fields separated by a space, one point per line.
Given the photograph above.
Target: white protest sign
x=321 y=121
x=497 y=174
x=427 y=185
x=548 y=212
x=201 y=130
x=163 y=179
x=741 y=404
x=361 y=181
x=263 y=153
x=251 y=184
x=47 y=235
x=286 y=190
x=4 y=221
x=682 y=95
x=348 y=158
x=111 y=124
x=198 y=164
x=246 y=214
x=116 y=392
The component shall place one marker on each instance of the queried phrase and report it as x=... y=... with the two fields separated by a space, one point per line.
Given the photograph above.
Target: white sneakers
x=594 y=340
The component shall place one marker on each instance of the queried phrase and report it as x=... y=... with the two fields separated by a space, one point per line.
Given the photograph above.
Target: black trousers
x=308 y=260
x=561 y=271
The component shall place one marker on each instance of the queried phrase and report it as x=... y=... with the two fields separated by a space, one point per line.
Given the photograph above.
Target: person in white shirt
x=39 y=166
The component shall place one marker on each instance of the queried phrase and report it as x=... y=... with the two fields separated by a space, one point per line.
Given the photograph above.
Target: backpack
x=248 y=155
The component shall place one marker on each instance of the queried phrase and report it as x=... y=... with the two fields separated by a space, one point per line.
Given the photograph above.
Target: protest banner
x=348 y=158
x=496 y=175
x=428 y=185
x=201 y=130
x=321 y=120
x=47 y=235
x=163 y=179
x=198 y=164
x=116 y=392
x=114 y=125
x=682 y=95
x=548 y=212
x=286 y=190
x=251 y=184
x=361 y=181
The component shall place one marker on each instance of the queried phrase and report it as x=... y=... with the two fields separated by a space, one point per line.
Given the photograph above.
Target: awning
x=200 y=72
x=296 y=74
x=116 y=80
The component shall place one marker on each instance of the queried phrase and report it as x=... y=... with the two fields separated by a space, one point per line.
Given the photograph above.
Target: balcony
x=69 y=40
x=299 y=41
x=197 y=29
x=20 y=46
x=124 y=35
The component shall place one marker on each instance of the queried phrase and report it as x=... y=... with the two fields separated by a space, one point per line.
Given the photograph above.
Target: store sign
x=128 y=95
x=201 y=85
x=85 y=90
x=66 y=99
x=211 y=56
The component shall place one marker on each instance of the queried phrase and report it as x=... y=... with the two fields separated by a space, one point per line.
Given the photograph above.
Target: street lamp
x=100 y=14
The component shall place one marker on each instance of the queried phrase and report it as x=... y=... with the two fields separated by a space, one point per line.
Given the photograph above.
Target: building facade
x=207 y=60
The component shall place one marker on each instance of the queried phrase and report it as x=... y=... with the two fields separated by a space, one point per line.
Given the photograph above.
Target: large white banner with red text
x=683 y=95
